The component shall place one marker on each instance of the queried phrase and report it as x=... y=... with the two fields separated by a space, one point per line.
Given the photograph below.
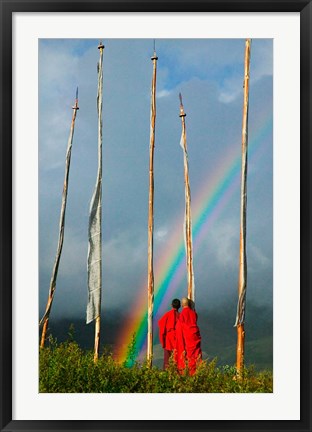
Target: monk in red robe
x=167 y=330
x=188 y=339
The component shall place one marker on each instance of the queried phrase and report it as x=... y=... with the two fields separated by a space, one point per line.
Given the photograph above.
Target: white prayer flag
x=95 y=221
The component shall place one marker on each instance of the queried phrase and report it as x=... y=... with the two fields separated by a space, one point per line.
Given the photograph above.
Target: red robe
x=167 y=333
x=188 y=340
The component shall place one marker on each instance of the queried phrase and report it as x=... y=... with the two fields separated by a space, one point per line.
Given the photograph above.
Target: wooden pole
x=97 y=338
x=188 y=222
x=242 y=281
x=150 y=270
x=45 y=319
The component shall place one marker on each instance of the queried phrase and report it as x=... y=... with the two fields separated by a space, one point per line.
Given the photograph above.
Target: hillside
x=216 y=326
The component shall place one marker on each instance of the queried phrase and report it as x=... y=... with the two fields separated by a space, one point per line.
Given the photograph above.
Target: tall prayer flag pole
x=242 y=281
x=187 y=219
x=95 y=228
x=45 y=319
x=150 y=270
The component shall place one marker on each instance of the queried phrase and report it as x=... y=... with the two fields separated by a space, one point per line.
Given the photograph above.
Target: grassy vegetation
x=219 y=337
x=66 y=368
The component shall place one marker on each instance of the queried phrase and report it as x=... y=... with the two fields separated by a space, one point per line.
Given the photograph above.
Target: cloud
x=161 y=234
x=214 y=60
x=258 y=259
x=163 y=93
x=261 y=65
x=231 y=90
x=119 y=249
x=208 y=74
x=225 y=238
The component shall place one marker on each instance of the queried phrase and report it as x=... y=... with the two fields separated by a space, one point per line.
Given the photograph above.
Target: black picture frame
x=8 y=7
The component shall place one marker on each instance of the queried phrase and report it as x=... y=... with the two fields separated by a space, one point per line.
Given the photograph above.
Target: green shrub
x=66 y=368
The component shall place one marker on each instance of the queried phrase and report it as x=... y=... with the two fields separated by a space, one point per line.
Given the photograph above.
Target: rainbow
x=211 y=200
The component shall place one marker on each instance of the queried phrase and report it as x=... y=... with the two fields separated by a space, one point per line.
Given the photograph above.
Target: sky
x=209 y=73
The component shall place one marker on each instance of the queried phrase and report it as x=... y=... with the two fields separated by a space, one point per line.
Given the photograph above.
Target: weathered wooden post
x=242 y=280
x=150 y=270
x=187 y=219
x=45 y=319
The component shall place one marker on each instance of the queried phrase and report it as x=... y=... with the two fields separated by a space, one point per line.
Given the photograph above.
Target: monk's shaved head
x=185 y=301
x=176 y=304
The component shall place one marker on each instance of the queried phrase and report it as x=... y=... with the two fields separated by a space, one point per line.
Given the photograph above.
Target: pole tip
x=154 y=56
x=76 y=101
x=101 y=46
x=182 y=113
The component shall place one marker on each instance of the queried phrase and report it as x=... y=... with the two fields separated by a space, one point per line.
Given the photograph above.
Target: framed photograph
x=187 y=167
